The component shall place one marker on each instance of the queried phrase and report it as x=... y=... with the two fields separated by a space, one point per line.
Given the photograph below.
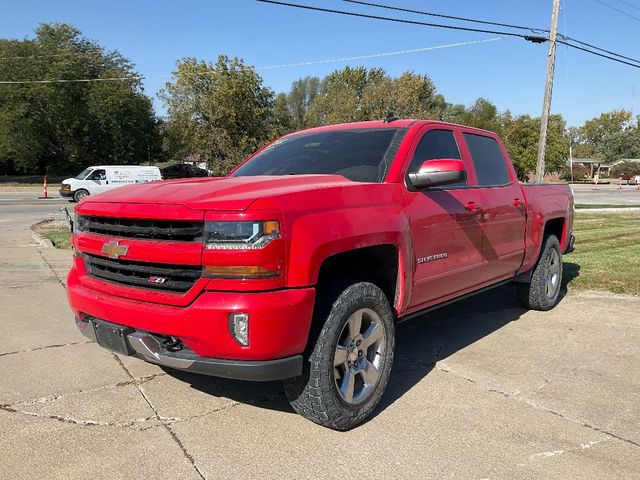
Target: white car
x=100 y=178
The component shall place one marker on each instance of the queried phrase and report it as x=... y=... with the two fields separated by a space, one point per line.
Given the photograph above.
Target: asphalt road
x=606 y=195
x=480 y=389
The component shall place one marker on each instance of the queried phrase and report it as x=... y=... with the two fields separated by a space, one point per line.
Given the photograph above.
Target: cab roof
x=401 y=123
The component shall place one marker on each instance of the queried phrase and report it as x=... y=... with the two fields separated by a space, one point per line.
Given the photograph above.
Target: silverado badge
x=114 y=249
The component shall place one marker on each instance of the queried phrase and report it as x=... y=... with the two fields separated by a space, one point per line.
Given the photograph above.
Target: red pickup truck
x=298 y=264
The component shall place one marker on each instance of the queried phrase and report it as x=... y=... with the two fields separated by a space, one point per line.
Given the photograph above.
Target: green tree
x=481 y=114
x=61 y=127
x=220 y=111
x=625 y=168
x=610 y=136
x=521 y=136
x=282 y=118
x=302 y=94
x=358 y=94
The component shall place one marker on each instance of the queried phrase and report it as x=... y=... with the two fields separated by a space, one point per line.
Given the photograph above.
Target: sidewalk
x=481 y=389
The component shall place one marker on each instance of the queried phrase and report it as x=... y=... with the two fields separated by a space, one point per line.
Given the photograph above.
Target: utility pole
x=548 y=89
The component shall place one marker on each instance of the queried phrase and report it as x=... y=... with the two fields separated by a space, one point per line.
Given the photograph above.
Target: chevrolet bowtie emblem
x=114 y=249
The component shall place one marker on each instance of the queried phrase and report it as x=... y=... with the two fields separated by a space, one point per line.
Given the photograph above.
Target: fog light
x=239 y=327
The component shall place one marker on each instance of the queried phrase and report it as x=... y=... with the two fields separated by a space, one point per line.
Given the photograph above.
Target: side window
x=435 y=144
x=98 y=175
x=488 y=160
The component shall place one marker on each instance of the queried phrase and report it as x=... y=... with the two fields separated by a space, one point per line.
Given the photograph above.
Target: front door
x=445 y=226
x=98 y=181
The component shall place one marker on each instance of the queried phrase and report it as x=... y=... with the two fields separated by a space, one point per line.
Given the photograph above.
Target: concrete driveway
x=481 y=389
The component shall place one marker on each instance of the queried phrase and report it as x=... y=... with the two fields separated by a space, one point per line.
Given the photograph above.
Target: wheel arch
x=378 y=264
x=553 y=226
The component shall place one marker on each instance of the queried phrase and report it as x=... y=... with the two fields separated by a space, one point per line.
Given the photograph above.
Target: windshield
x=84 y=174
x=361 y=155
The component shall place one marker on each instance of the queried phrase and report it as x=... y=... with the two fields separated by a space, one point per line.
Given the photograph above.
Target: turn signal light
x=239 y=271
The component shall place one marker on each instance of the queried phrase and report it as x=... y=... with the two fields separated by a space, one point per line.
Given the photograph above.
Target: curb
x=42 y=242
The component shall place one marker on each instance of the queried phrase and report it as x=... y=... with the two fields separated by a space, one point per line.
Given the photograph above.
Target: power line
x=599 y=54
x=70 y=80
x=400 y=20
x=629 y=4
x=567 y=38
x=376 y=55
x=535 y=39
x=450 y=17
x=267 y=67
x=521 y=27
x=617 y=9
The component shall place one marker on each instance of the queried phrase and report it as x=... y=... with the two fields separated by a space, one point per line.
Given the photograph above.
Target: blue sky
x=509 y=72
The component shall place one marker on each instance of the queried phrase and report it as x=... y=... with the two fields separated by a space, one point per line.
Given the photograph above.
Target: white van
x=101 y=178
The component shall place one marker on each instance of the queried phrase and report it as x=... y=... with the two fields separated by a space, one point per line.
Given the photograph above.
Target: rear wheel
x=543 y=291
x=80 y=194
x=349 y=365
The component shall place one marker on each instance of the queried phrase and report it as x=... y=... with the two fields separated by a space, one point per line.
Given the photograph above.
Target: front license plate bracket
x=113 y=337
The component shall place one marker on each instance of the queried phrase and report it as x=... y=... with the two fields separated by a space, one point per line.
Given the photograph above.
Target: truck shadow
x=420 y=344
x=570 y=271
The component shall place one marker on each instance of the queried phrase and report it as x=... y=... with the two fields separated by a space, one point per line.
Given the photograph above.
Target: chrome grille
x=172 y=230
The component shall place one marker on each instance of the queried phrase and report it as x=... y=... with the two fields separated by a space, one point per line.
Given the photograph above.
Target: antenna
x=390 y=117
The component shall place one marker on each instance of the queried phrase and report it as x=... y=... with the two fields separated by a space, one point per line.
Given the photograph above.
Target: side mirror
x=434 y=173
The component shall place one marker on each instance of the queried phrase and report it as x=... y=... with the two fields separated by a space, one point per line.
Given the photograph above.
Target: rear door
x=502 y=207
x=445 y=229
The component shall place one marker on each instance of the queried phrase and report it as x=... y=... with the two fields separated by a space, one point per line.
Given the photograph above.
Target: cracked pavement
x=480 y=389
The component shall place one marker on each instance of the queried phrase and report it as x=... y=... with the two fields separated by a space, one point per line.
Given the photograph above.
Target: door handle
x=473 y=207
x=517 y=203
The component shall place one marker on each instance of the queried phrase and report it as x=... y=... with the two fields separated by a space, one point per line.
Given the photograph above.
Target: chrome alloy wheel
x=551 y=274
x=360 y=355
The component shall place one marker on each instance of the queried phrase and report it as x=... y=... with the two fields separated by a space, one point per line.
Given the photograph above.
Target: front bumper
x=65 y=193
x=278 y=326
x=148 y=347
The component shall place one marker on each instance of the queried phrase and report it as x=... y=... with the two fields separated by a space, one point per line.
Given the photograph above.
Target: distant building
x=593 y=165
x=623 y=160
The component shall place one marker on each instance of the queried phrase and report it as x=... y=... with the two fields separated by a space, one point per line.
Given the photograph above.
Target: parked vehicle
x=183 y=170
x=101 y=178
x=299 y=263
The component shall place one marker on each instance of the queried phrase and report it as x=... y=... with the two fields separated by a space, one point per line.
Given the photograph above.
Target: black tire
x=315 y=394
x=80 y=194
x=539 y=294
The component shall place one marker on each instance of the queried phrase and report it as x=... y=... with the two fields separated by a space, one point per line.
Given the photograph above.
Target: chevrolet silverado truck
x=298 y=264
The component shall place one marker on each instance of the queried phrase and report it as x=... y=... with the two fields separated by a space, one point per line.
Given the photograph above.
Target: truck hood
x=223 y=193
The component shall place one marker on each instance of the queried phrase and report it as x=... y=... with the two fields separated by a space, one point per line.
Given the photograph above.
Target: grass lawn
x=607 y=253
x=585 y=206
x=59 y=238
x=55 y=231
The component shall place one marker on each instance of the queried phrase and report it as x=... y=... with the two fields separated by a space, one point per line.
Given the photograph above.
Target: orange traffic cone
x=44 y=189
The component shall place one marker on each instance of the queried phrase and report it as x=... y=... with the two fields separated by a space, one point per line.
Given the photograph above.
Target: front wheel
x=348 y=369
x=80 y=194
x=543 y=291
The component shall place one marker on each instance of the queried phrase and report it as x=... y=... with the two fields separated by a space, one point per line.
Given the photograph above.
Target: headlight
x=240 y=235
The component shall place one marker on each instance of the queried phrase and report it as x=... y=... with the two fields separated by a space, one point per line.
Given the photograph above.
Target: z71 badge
x=431 y=258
